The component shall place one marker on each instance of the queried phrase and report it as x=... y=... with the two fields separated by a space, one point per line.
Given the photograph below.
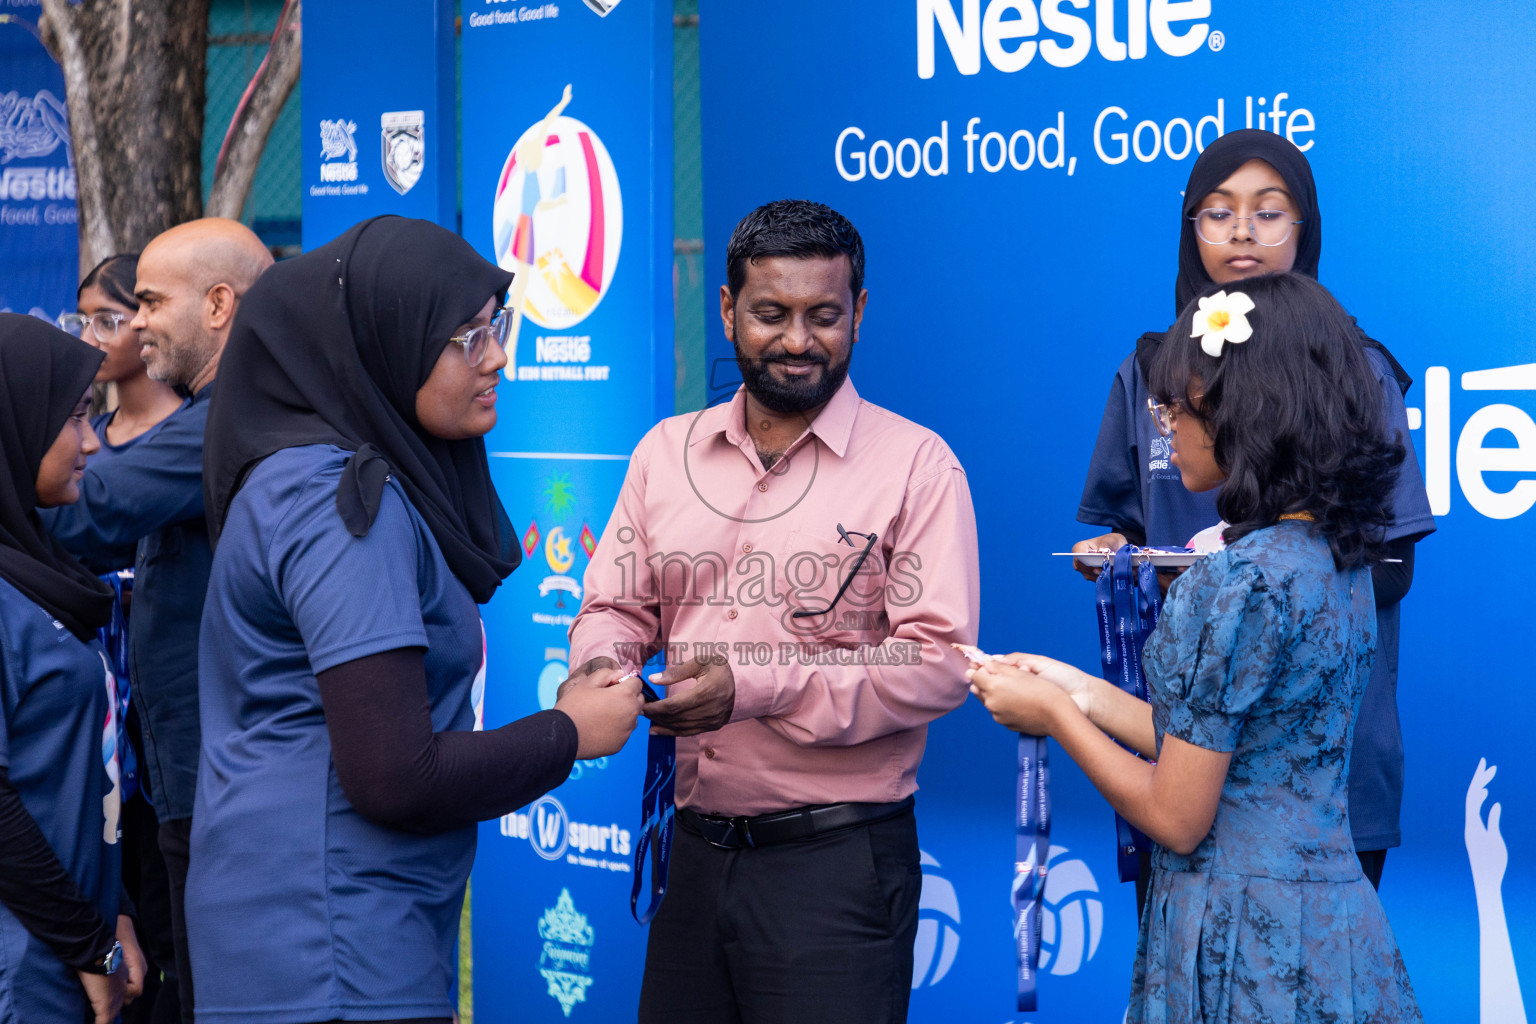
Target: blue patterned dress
x=1264 y=650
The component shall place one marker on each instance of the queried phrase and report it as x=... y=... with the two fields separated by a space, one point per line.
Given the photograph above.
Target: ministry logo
x=566 y=960
x=402 y=147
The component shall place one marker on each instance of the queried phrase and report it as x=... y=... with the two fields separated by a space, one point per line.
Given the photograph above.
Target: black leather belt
x=786 y=826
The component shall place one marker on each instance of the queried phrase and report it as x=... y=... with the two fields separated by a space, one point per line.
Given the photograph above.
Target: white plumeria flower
x=1222 y=318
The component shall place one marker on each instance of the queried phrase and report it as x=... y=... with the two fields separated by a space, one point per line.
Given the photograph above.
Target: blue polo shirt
x=298 y=909
x=58 y=736
x=1133 y=488
x=150 y=493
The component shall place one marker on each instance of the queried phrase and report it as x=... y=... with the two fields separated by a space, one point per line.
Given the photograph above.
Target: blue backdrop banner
x=1016 y=172
x=567 y=183
x=379 y=114
x=39 y=246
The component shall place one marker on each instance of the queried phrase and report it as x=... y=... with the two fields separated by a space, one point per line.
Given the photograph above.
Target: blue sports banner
x=39 y=242
x=379 y=129
x=567 y=183
x=1016 y=170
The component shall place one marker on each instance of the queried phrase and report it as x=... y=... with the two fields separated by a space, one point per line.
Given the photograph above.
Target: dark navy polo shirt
x=151 y=493
x=299 y=909
x=58 y=742
x=1134 y=489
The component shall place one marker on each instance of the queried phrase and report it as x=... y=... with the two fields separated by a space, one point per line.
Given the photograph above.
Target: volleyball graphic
x=558 y=221
x=938 y=918
x=1072 y=917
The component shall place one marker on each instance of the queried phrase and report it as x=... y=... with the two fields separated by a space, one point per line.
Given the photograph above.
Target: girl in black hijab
x=59 y=861
x=1250 y=209
x=357 y=528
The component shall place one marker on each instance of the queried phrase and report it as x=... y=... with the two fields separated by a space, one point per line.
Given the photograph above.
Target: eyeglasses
x=477 y=339
x=1165 y=415
x=869 y=543
x=1267 y=227
x=103 y=326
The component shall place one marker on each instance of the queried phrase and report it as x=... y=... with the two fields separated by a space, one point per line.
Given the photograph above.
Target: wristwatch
x=107 y=964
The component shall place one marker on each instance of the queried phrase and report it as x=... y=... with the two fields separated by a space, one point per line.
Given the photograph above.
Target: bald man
x=190 y=282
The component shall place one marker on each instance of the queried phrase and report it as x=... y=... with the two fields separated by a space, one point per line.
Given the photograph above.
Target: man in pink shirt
x=806 y=558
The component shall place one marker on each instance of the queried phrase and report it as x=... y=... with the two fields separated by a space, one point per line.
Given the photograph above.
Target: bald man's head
x=191 y=280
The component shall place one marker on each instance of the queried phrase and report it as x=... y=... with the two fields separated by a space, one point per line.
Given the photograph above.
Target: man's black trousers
x=818 y=929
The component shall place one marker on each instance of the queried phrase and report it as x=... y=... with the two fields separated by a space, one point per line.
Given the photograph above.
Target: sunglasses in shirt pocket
x=835 y=592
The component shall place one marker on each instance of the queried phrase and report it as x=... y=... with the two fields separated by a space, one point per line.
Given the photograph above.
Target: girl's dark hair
x=115 y=276
x=1295 y=414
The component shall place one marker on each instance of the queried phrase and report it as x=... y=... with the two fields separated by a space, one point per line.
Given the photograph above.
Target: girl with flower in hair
x=1259 y=910
x=1251 y=208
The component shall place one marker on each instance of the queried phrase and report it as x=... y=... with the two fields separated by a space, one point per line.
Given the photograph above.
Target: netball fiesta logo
x=558 y=223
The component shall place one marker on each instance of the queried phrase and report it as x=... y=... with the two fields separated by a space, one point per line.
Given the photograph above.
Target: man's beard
x=791 y=395
x=173 y=364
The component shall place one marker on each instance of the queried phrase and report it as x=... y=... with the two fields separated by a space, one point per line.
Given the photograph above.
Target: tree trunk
x=134 y=74
x=257 y=113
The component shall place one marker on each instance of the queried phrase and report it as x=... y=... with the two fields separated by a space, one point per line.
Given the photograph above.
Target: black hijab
x=43 y=374
x=1216 y=164
x=330 y=348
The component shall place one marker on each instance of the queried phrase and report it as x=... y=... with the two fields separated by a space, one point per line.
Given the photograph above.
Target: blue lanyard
x=1128 y=604
x=1032 y=848
x=659 y=813
x=114 y=637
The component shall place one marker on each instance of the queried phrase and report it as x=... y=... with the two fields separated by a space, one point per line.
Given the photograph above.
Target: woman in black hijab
x=59 y=859
x=357 y=528
x=1250 y=209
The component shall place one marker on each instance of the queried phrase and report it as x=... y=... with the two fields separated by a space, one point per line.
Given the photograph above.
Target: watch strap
x=109 y=962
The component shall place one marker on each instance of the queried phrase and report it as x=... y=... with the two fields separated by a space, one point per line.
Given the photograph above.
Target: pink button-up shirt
x=710 y=553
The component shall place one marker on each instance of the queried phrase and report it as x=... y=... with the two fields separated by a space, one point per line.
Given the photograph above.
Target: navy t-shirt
x=1134 y=489
x=150 y=493
x=298 y=909
x=58 y=741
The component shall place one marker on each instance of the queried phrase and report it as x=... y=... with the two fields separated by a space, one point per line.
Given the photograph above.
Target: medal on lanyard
x=1032 y=847
x=1128 y=604
x=658 y=813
